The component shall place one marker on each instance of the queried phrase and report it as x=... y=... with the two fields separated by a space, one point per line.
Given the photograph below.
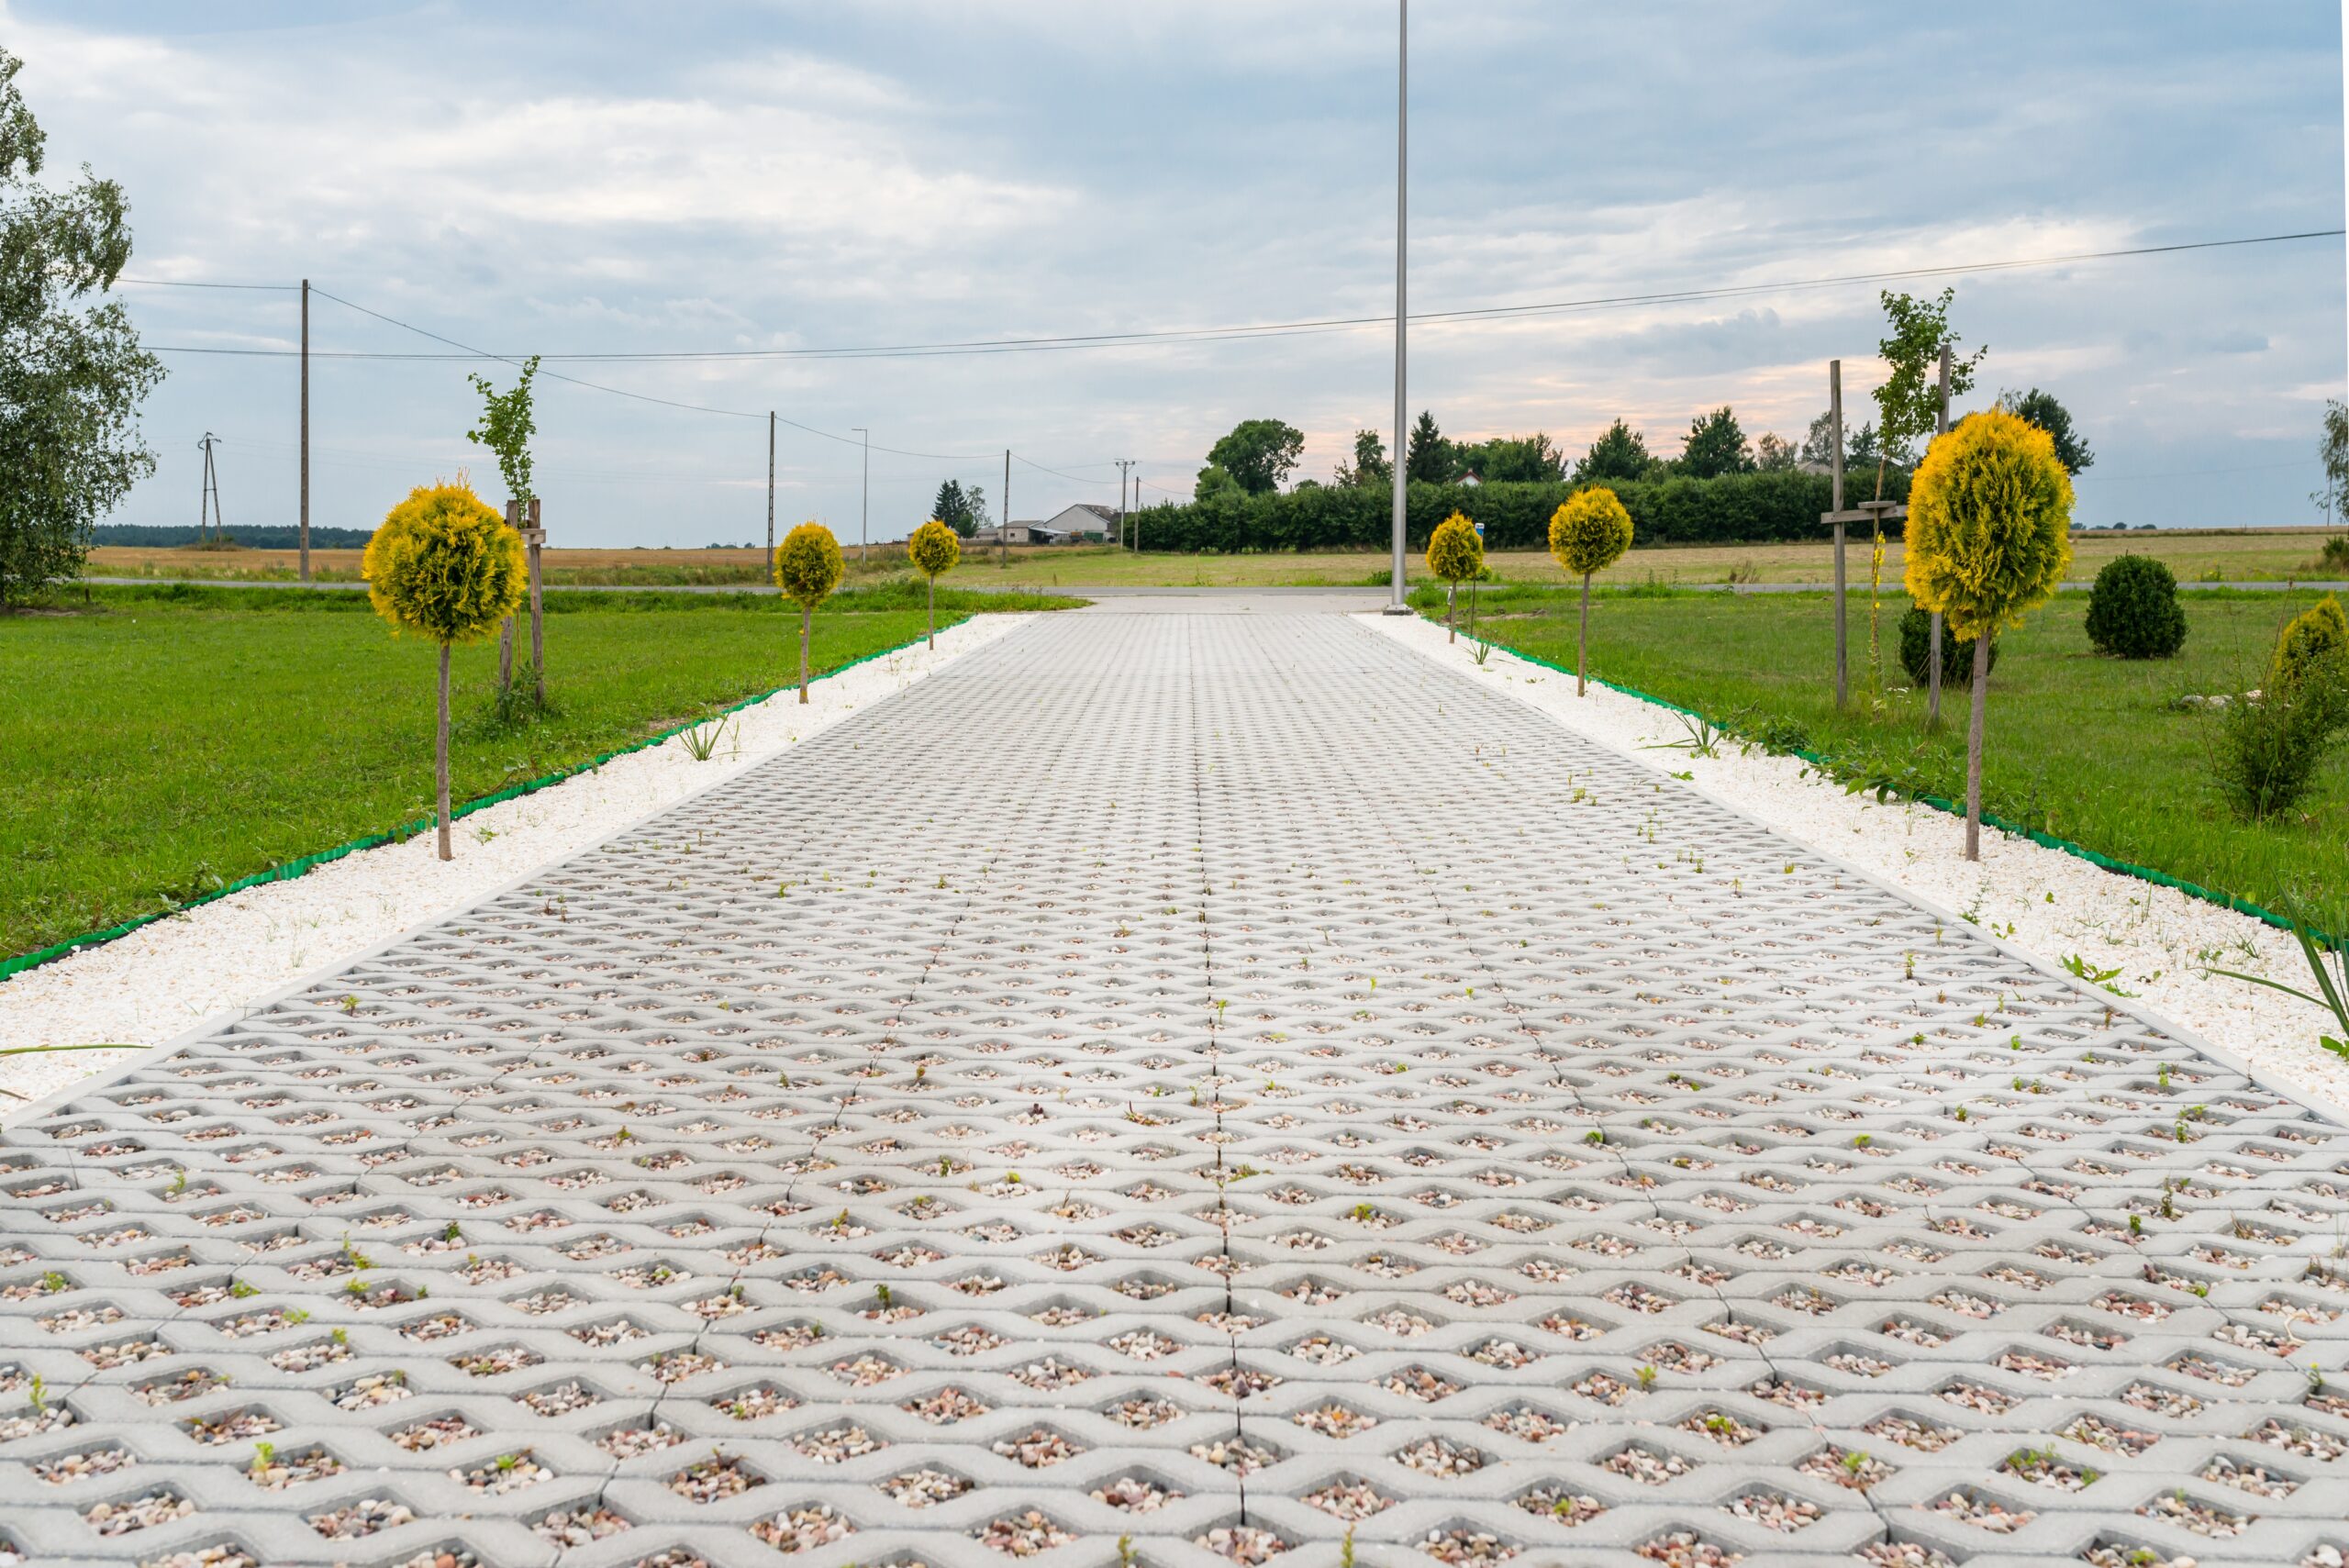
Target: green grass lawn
x=2081 y=745
x=164 y=741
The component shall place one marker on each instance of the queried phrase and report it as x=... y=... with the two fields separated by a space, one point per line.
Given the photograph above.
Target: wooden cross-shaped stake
x=1876 y=514
x=534 y=538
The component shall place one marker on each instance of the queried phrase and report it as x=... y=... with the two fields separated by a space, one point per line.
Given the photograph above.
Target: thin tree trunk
x=1973 y=747
x=1933 y=686
x=807 y=618
x=934 y=615
x=440 y=754
x=505 y=653
x=1582 y=648
x=1451 y=598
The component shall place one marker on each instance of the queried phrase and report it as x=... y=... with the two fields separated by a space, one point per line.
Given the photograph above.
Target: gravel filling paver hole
x=705 y=1480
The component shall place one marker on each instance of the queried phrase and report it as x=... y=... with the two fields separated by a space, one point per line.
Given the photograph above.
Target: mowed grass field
x=164 y=742
x=2239 y=555
x=2089 y=748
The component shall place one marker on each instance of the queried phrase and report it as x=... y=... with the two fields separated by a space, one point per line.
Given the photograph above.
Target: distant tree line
x=165 y=536
x=1722 y=487
x=1730 y=509
x=1259 y=455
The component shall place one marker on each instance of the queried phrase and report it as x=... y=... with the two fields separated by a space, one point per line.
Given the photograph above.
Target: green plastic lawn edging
x=2045 y=840
x=286 y=871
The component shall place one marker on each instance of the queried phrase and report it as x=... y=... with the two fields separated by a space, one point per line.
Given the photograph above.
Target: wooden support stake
x=505 y=627
x=535 y=537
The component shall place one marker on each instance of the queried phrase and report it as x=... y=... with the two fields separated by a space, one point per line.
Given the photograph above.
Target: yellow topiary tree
x=445 y=566
x=807 y=568
x=1456 y=554
x=934 y=548
x=1589 y=533
x=2317 y=634
x=1990 y=537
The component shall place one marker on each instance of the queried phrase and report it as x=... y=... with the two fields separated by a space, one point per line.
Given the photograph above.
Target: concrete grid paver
x=1206 y=1083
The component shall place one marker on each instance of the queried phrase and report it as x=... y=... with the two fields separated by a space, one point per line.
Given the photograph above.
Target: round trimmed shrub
x=1989 y=538
x=807 y=568
x=2317 y=637
x=1455 y=551
x=1456 y=554
x=1917 y=651
x=1590 y=532
x=2133 y=611
x=934 y=548
x=444 y=564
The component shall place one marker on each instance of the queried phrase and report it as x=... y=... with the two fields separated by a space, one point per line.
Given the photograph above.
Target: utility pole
x=306 y=429
x=1003 y=533
x=1933 y=652
x=207 y=497
x=1835 y=461
x=865 y=507
x=1395 y=605
x=1123 y=464
x=769 y=565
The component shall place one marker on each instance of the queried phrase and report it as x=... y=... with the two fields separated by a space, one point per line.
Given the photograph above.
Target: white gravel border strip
x=163 y=979
x=2040 y=902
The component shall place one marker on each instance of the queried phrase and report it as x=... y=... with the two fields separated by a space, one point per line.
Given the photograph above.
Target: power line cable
x=623 y=391
x=182 y=284
x=1074 y=479
x=1172 y=335
x=551 y=375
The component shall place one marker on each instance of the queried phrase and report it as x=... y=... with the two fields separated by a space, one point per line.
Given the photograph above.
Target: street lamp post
x=865 y=506
x=1401 y=483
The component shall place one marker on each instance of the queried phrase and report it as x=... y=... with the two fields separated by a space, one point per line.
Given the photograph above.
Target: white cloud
x=789 y=176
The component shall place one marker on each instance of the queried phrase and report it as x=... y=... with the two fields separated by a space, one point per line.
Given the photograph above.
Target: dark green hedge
x=1738 y=508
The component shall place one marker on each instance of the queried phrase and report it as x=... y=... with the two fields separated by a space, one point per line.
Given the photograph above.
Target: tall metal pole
x=1003 y=533
x=306 y=429
x=1401 y=486
x=1123 y=464
x=865 y=507
x=769 y=565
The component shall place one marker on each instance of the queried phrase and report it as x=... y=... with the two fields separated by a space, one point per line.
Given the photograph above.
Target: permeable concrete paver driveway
x=1175 y=1085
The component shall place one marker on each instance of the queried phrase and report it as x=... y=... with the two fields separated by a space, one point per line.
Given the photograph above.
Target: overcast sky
x=589 y=177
